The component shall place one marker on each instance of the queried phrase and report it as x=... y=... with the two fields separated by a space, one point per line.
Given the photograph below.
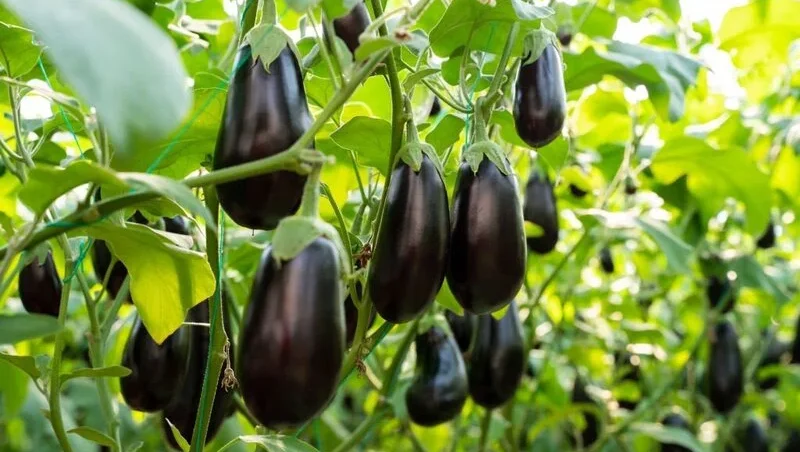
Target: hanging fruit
x=725 y=379
x=40 y=286
x=540 y=209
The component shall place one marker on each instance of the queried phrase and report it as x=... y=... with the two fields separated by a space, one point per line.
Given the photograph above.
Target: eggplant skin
x=725 y=382
x=767 y=239
x=540 y=99
x=350 y=26
x=720 y=290
x=497 y=360
x=40 y=286
x=540 y=209
x=677 y=421
x=410 y=257
x=265 y=114
x=157 y=371
x=439 y=389
x=293 y=336
x=487 y=244
x=462 y=328
x=590 y=432
x=606 y=260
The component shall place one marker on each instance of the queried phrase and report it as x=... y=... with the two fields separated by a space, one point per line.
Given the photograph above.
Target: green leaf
x=369 y=138
x=93 y=435
x=96 y=372
x=22 y=327
x=761 y=29
x=445 y=133
x=277 y=443
x=714 y=175
x=301 y=6
x=167 y=277
x=13 y=386
x=171 y=189
x=418 y=76
x=669 y=435
x=374 y=45
x=119 y=61
x=532 y=229
x=751 y=274
x=338 y=8
x=179 y=439
x=500 y=313
x=26 y=364
x=18 y=53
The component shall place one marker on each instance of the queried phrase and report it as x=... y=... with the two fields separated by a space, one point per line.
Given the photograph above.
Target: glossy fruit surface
x=725 y=382
x=590 y=432
x=606 y=260
x=410 y=257
x=751 y=438
x=540 y=99
x=350 y=26
x=540 y=209
x=720 y=290
x=439 y=389
x=487 y=244
x=462 y=326
x=497 y=360
x=767 y=239
x=40 y=286
x=678 y=421
x=157 y=371
x=293 y=336
x=265 y=113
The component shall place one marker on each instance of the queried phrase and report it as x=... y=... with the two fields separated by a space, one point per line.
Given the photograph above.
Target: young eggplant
x=292 y=340
x=540 y=209
x=487 y=243
x=675 y=420
x=409 y=261
x=540 y=99
x=725 y=369
x=462 y=328
x=157 y=371
x=40 y=286
x=606 y=260
x=497 y=360
x=439 y=389
x=590 y=431
x=265 y=113
x=350 y=26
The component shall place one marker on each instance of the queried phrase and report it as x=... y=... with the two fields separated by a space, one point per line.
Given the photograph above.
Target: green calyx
x=474 y=155
x=412 y=152
x=535 y=43
x=295 y=233
x=267 y=41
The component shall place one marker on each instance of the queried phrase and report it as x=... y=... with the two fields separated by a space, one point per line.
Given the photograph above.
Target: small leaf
x=179 y=439
x=26 y=364
x=369 y=138
x=277 y=443
x=93 y=435
x=417 y=77
x=373 y=45
x=96 y=372
x=445 y=133
x=173 y=190
x=22 y=327
x=669 y=435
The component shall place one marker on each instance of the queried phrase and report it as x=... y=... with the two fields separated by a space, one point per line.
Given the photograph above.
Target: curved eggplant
x=409 y=261
x=350 y=26
x=497 y=361
x=767 y=239
x=678 y=421
x=40 y=286
x=540 y=209
x=606 y=260
x=265 y=113
x=540 y=99
x=590 y=432
x=487 y=244
x=462 y=328
x=157 y=371
x=439 y=389
x=719 y=289
x=725 y=380
x=293 y=336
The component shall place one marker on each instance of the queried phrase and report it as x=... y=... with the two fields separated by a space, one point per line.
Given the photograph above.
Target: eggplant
x=751 y=438
x=540 y=99
x=462 y=328
x=157 y=371
x=40 y=286
x=497 y=361
x=350 y=26
x=176 y=225
x=564 y=34
x=775 y=353
x=767 y=239
x=292 y=342
x=410 y=257
x=678 y=421
x=487 y=244
x=185 y=404
x=719 y=289
x=540 y=209
x=439 y=389
x=265 y=113
x=606 y=260
x=436 y=107
x=725 y=370
x=796 y=345
x=590 y=431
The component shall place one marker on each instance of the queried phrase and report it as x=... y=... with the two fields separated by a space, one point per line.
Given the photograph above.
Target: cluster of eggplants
x=265 y=113
x=40 y=286
x=540 y=100
x=719 y=289
x=292 y=339
x=725 y=368
x=540 y=209
x=439 y=388
x=675 y=420
x=409 y=261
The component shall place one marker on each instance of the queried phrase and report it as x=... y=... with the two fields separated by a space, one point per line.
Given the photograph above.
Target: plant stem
x=309 y=206
x=361 y=431
x=494 y=88
x=333 y=67
x=487 y=420
x=55 y=365
x=111 y=314
x=390 y=379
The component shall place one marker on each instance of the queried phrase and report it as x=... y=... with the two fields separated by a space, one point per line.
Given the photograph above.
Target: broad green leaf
x=761 y=29
x=338 y=8
x=669 y=435
x=369 y=138
x=445 y=133
x=171 y=189
x=26 y=364
x=96 y=372
x=786 y=175
x=714 y=175
x=167 y=278
x=22 y=327
x=93 y=435
x=751 y=274
x=116 y=59
x=276 y=443
x=14 y=389
x=18 y=53
x=601 y=118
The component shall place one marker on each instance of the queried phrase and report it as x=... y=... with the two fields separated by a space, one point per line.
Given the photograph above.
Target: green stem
x=111 y=314
x=393 y=373
x=309 y=206
x=334 y=68
x=55 y=365
x=242 y=408
x=487 y=420
x=363 y=429
x=494 y=88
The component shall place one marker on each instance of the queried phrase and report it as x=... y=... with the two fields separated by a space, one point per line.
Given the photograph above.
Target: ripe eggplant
x=439 y=389
x=767 y=239
x=40 y=286
x=751 y=438
x=497 y=361
x=462 y=328
x=157 y=371
x=540 y=99
x=725 y=381
x=590 y=432
x=606 y=260
x=409 y=261
x=350 y=26
x=293 y=336
x=678 y=421
x=265 y=113
x=540 y=209
x=182 y=410
x=776 y=351
x=487 y=244
x=720 y=290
